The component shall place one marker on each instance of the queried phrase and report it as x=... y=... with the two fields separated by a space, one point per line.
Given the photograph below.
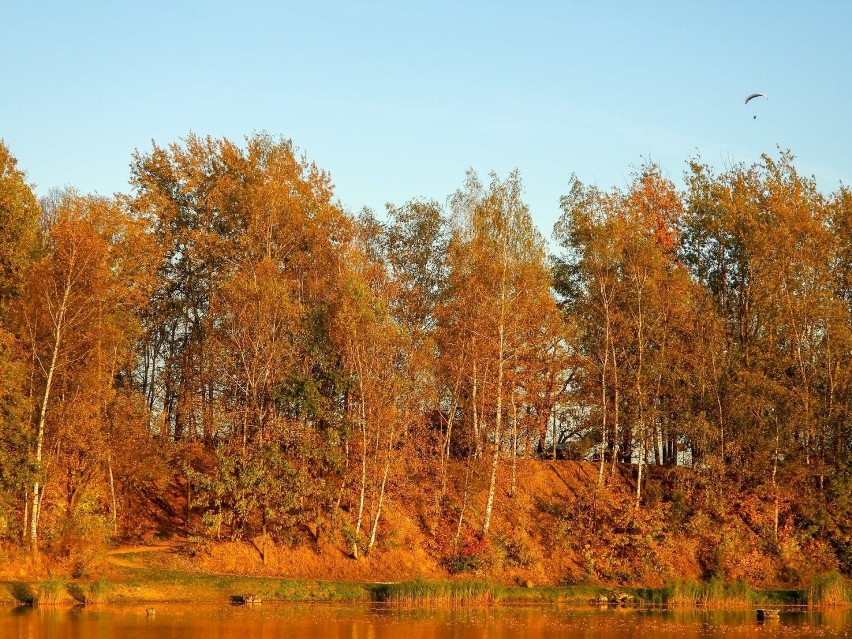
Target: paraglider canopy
x=753 y=96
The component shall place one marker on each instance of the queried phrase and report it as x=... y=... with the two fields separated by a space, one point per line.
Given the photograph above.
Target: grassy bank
x=152 y=585
x=829 y=590
x=135 y=576
x=717 y=593
x=171 y=585
x=157 y=584
x=443 y=593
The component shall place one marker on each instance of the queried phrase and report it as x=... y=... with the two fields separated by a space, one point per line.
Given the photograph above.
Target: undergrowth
x=49 y=592
x=829 y=589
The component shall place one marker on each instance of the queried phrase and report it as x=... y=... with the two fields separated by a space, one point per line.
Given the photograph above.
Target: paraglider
x=752 y=96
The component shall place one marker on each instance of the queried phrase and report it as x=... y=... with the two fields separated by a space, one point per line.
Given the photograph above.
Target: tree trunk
x=639 y=397
x=775 y=485
x=603 y=426
x=614 y=409
x=57 y=340
x=639 y=475
x=477 y=438
x=382 y=490
x=379 y=508
x=514 y=446
x=445 y=448
x=603 y=386
x=553 y=437
x=114 y=506
x=463 y=508
x=498 y=427
x=24 y=528
x=363 y=422
x=188 y=505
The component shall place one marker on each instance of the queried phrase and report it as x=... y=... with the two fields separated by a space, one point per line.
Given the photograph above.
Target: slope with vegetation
x=226 y=358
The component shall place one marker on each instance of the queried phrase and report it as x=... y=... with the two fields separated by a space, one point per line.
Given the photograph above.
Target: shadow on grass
x=22 y=592
x=78 y=593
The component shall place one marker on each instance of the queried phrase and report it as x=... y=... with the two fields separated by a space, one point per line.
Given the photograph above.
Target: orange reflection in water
x=320 y=621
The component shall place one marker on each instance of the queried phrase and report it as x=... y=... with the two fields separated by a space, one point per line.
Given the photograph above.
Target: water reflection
x=195 y=621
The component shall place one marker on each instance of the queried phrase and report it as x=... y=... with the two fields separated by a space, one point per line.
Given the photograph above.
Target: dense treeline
x=225 y=352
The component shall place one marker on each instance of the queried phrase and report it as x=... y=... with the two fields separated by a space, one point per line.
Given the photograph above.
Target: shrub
x=520 y=550
x=475 y=555
x=83 y=540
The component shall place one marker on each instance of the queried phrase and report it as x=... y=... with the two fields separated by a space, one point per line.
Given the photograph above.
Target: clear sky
x=397 y=99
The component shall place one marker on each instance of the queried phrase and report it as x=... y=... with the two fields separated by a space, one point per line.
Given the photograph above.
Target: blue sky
x=397 y=99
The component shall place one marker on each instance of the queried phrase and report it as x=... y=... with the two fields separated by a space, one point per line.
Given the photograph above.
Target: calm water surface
x=203 y=621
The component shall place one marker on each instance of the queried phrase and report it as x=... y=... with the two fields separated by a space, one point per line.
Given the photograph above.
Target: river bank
x=150 y=585
x=168 y=571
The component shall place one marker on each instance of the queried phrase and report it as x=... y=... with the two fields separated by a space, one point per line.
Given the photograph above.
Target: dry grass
x=830 y=589
x=307 y=562
x=437 y=594
x=98 y=591
x=51 y=592
x=711 y=594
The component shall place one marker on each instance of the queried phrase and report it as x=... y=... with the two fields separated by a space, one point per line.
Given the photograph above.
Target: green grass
x=437 y=593
x=829 y=589
x=175 y=584
x=301 y=590
x=50 y=592
x=560 y=594
x=713 y=593
x=180 y=585
x=788 y=597
x=97 y=591
x=454 y=593
x=159 y=584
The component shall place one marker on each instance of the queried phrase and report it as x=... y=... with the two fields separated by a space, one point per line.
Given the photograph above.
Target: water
x=208 y=621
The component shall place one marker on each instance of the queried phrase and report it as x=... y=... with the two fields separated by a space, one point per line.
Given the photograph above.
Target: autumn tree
x=586 y=277
x=78 y=323
x=19 y=215
x=761 y=240
x=239 y=345
x=634 y=301
x=497 y=311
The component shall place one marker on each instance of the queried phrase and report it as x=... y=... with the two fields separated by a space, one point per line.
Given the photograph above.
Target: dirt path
x=116 y=556
x=128 y=550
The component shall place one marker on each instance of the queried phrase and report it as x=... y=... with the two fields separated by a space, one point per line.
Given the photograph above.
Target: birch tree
x=499 y=291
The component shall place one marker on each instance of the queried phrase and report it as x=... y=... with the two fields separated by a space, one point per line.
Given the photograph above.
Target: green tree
x=19 y=216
